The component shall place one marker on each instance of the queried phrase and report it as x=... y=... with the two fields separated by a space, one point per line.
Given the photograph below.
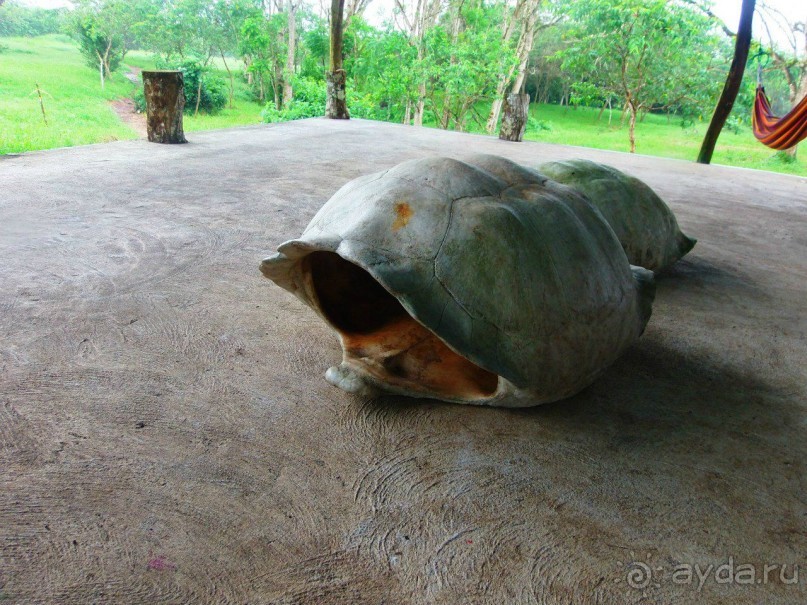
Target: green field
x=79 y=112
x=657 y=135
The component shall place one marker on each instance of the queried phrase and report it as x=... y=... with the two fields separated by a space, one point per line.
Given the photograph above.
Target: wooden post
x=165 y=101
x=514 y=118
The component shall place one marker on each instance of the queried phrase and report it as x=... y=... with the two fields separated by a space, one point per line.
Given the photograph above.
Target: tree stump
x=336 y=99
x=165 y=100
x=514 y=117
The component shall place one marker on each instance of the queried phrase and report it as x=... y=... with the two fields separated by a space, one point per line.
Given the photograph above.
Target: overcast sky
x=728 y=10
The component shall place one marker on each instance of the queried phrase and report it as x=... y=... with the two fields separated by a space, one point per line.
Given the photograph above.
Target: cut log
x=514 y=118
x=336 y=100
x=165 y=101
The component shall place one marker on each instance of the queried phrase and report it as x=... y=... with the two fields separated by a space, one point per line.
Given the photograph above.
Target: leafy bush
x=213 y=93
x=734 y=124
x=538 y=125
x=139 y=99
x=308 y=102
x=310 y=90
x=296 y=110
x=363 y=106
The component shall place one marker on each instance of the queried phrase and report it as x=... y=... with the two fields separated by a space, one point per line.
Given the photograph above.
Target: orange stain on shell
x=403 y=212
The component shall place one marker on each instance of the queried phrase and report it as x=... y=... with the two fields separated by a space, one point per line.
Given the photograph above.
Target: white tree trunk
x=288 y=90
x=524 y=14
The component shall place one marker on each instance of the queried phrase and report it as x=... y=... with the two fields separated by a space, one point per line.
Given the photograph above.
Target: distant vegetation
x=603 y=73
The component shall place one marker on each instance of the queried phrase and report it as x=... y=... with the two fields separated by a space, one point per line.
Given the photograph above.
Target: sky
x=728 y=10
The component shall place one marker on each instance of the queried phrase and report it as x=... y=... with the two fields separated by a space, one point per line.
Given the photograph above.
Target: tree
x=465 y=56
x=522 y=19
x=101 y=28
x=652 y=54
x=335 y=77
x=264 y=53
x=18 y=20
x=416 y=18
x=291 y=49
x=733 y=82
x=228 y=18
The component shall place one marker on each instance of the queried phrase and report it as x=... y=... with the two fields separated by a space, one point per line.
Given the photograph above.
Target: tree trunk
x=198 y=96
x=288 y=91
x=420 y=105
x=336 y=98
x=632 y=126
x=732 y=86
x=408 y=112
x=495 y=110
x=526 y=12
x=335 y=79
x=229 y=73
x=514 y=117
x=165 y=100
x=797 y=99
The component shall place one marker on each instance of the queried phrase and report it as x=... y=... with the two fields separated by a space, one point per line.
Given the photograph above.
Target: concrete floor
x=166 y=435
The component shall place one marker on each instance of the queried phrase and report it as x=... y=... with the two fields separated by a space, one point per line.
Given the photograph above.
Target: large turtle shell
x=642 y=221
x=478 y=282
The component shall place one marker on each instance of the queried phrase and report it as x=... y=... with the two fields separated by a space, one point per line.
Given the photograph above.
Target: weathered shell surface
x=642 y=221
x=515 y=273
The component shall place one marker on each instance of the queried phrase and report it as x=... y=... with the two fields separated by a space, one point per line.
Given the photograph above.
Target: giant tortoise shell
x=477 y=282
x=642 y=221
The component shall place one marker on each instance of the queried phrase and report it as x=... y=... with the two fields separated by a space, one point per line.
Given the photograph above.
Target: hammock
x=779 y=133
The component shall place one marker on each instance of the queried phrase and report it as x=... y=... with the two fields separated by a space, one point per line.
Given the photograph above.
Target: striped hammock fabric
x=779 y=133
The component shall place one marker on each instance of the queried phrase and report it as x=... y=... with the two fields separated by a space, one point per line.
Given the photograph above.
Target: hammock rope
x=779 y=133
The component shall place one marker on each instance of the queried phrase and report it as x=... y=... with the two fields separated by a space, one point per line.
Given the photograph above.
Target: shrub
x=296 y=110
x=734 y=124
x=213 y=96
x=139 y=99
x=783 y=157
x=538 y=125
x=308 y=102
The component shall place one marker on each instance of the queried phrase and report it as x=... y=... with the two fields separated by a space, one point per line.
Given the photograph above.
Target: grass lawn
x=77 y=109
x=658 y=136
x=79 y=112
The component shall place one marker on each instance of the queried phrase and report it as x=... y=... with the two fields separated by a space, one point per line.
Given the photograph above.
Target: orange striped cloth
x=779 y=133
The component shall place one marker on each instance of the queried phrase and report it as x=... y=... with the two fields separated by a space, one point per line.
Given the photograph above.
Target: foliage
x=536 y=125
x=104 y=30
x=651 y=54
x=98 y=45
x=308 y=102
x=139 y=98
x=783 y=157
x=263 y=50
x=201 y=85
x=17 y=20
x=464 y=69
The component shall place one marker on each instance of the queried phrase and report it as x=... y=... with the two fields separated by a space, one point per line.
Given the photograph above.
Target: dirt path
x=125 y=108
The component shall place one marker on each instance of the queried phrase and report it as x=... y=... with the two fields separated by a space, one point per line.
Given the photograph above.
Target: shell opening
x=381 y=340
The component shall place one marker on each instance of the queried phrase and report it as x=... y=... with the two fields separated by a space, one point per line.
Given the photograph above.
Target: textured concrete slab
x=166 y=435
